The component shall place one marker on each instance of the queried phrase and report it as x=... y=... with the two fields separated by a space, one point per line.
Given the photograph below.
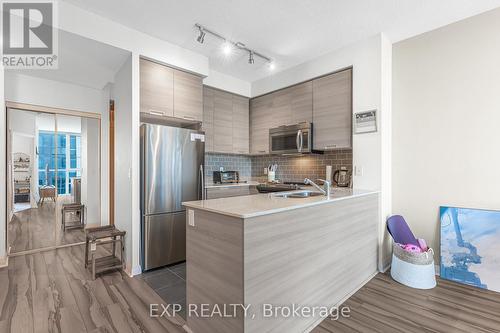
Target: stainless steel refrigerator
x=171 y=172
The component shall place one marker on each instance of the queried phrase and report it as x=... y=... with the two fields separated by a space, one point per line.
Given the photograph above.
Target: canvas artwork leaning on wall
x=470 y=246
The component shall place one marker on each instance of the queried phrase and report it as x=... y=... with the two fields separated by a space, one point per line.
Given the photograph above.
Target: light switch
x=358 y=171
x=190 y=217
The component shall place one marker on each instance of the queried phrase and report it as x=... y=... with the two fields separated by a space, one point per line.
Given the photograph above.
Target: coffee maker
x=342 y=177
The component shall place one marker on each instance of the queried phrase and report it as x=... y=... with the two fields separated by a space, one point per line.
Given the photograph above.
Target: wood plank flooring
x=386 y=306
x=37 y=228
x=52 y=292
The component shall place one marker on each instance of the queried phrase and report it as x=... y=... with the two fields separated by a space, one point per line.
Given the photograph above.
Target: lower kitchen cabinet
x=230 y=191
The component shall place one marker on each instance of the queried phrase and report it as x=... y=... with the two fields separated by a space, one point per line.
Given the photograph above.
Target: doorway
x=53 y=183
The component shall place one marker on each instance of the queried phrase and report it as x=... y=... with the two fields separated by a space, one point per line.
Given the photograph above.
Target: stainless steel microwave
x=292 y=139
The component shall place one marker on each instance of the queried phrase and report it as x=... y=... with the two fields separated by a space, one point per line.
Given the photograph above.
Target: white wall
x=122 y=95
x=3 y=180
x=229 y=83
x=90 y=25
x=90 y=191
x=32 y=90
x=446 y=111
x=370 y=60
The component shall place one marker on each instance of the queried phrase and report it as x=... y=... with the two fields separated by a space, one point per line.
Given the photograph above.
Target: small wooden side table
x=100 y=236
x=77 y=209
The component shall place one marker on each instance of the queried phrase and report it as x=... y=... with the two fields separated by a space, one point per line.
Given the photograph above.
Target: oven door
x=290 y=141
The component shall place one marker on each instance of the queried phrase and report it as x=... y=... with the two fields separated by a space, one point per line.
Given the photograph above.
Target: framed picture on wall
x=470 y=246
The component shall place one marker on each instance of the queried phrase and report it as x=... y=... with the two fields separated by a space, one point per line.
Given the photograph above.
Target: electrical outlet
x=190 y=217
x=221 y=169
x=265 y=171
x=358 y=171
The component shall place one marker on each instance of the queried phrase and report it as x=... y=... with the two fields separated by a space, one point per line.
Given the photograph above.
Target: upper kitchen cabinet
x=188 y=96
x=165 y=91
x=281 y=111
x=208 y=118
x=157 y=88
x=241 y=125
x=301 y=103
x=223 y=122
x=332 y=111
x=261 y=120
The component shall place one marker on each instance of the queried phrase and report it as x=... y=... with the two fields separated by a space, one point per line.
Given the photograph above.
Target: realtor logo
x=29 y=36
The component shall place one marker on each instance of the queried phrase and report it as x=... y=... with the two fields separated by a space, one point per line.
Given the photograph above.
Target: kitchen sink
x=301 y=194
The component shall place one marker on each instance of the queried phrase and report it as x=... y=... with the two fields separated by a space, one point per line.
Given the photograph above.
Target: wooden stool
x=99 y=236
x=78 y=209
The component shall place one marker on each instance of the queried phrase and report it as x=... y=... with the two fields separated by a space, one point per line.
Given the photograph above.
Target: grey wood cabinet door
x=241 y=125
x=188 y=96
x=301 y=103
x=332 y=111
x=281 y=112
x=260 y=122
x=156 y=88
x=223 y=122
x=208 y=118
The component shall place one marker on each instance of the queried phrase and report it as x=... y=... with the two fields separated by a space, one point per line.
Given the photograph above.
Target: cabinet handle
x=158 y=113
x=330 y=146
x=261 y=151
x=188 y=118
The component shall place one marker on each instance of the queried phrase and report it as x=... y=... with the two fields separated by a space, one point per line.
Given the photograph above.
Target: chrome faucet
x=326 y=186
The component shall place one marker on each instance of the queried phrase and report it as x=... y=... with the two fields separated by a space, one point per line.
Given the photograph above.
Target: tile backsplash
x=290 y=168
x=241 y=163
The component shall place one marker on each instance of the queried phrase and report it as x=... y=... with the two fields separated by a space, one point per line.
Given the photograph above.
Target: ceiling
x=289 y=31
x=82 y=61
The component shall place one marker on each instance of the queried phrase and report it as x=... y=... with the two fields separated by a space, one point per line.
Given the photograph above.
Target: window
x=68 y=159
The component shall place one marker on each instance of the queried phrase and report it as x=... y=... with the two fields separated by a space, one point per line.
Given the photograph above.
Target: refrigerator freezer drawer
x=164 y=239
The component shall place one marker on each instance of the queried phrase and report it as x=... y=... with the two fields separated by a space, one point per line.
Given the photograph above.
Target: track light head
x=251 y=60
x=201 y=37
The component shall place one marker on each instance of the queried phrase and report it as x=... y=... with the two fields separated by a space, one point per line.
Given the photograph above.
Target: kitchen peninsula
x=273 y=249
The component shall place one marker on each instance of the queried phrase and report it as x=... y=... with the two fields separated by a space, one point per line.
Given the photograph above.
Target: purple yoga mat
x=400 y=231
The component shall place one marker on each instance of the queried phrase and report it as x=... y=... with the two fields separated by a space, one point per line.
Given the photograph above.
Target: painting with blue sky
x=470 y=246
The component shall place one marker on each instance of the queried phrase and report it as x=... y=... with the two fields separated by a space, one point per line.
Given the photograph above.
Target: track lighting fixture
x=251 y=60
x=201 y=37
x=229 y=46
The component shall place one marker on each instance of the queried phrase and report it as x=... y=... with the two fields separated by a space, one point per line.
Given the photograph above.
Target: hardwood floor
x=385 y=306
x=37 y=228
x=52 y=292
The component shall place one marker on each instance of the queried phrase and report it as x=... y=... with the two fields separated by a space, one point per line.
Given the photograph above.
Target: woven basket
x=413 y=269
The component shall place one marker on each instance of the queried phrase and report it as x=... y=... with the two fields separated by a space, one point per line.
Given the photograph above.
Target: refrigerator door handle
x=202 y=179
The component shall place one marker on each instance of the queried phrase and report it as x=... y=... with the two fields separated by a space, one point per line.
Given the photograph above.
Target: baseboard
x=132 y=271
x=338 y=304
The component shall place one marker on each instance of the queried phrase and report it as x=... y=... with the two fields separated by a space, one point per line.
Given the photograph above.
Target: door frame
x=55 y=112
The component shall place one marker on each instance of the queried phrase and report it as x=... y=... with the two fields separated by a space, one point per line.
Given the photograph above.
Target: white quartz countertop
x=268 y=203
x=247 y=183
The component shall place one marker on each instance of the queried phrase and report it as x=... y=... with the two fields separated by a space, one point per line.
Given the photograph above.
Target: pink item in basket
x=412 y=248
x=422 y=244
